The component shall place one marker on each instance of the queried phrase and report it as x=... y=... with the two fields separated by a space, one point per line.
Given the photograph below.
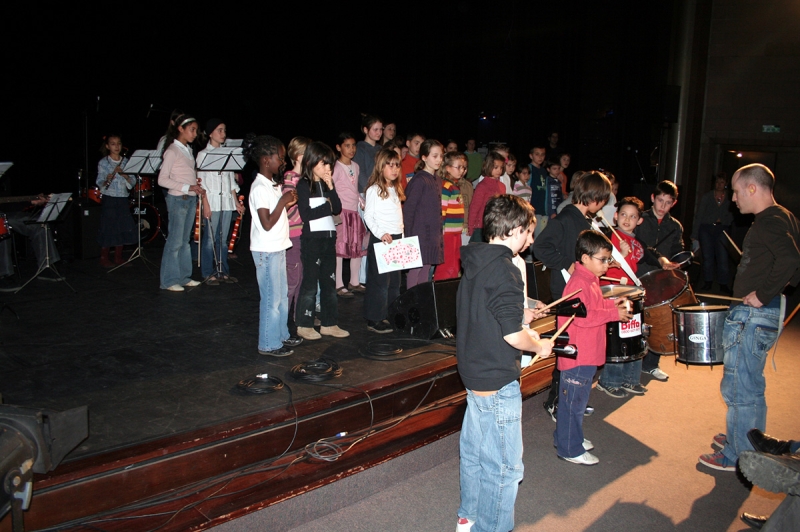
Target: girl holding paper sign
x=318 y=202
x=383 y=215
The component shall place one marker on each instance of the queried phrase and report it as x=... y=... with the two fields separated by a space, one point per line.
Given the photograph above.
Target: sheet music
x=54 y=206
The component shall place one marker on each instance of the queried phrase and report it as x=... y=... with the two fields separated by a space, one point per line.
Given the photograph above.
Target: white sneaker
x=175 y=288
x=192 y=282
x=464 y=524
x=658 y=374
x=587 y=445
x=586 y=458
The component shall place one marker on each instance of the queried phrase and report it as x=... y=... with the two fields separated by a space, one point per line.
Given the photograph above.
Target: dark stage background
x=502 y=71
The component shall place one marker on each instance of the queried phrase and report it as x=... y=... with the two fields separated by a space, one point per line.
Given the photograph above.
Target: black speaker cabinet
x=88 y=224
x=427 y=310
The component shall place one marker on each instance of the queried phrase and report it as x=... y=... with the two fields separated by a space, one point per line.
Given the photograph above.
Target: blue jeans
x=273 y=310
x=218 y=231
x=491 y=458
x=574 y=388
x=615 y=374
x=176 y=262
x=748 y=334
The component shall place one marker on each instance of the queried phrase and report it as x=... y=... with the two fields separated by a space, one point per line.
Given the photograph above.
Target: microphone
x=148 y=111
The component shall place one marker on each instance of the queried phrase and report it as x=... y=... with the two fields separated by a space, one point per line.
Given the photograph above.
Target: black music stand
x=141 y=162
x=227 y=158
x=54 y=211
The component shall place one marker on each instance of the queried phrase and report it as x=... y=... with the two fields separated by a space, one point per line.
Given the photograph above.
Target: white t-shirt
x=264 y=194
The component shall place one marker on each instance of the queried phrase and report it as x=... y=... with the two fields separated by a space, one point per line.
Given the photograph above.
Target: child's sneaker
x=586 y=458
x=717 y=461
x=616 y=393
x=635 y=389
x=720 y=441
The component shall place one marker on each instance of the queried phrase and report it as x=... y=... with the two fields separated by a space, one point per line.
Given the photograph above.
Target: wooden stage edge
x=203 y=478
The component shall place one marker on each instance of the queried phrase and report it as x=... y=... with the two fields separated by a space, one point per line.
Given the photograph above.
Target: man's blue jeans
x=274 y=306
x=748 y=334
x=491 y=458
x=217 y=230
x=176 y=262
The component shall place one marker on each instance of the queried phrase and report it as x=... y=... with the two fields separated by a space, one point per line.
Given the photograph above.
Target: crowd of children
x=314 y=208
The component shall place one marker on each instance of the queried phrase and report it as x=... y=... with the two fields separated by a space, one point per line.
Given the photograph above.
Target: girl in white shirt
x=383 y=215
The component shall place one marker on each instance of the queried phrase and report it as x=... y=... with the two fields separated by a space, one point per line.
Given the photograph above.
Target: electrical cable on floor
x=401 y=348
x=319 y=370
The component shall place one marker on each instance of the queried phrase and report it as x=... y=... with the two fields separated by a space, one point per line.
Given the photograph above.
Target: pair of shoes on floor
x=775 y=473
x=213 y=281
x=381 y=327
x=334 y=331
x=717 y=461
x=587 y=445
x=282 y=351
x=635 y=389
x=754 y=521
x=719 y=441
x=192 y=283
x=293 y=341
x=767 y=444
x=356 y=288
x=616 y=393
x=344 y=292
x=657 y=374
x=586 y=458
x=308 y=333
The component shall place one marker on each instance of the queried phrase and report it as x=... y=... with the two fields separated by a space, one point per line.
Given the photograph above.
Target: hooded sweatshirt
x=488 y=307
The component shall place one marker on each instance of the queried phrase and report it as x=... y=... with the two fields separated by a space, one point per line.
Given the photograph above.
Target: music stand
x=141 y=162
x=53 y=211
x=227 y=158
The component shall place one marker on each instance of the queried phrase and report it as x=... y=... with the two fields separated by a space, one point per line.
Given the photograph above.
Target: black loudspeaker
x=87 y=221
x=427 y=310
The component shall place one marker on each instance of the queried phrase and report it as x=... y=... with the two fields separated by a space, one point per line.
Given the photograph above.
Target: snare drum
x=143 y=186
x=665 y=290
x=699 y=332
x=150 y=223
x=624 y=341
x=4 y=231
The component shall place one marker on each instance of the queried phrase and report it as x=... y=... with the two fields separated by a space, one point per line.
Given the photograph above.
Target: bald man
x=770 y=261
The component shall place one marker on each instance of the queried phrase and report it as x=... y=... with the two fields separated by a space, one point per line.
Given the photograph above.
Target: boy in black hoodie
x=489 y=343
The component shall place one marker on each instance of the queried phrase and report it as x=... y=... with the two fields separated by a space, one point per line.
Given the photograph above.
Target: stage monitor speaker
x=88 y=224
x=427 y=310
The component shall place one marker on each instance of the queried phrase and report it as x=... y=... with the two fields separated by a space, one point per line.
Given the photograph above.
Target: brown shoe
x=308 y=333
x=333 y=330
x=344 y=292
x=357 y=288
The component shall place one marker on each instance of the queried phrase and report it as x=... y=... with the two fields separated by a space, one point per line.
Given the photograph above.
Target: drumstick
x=557 y=301
x=713 y=296
x=610 y=226
x=787 y=320
x=732 y=242
x=555 y=335
x=614 y=279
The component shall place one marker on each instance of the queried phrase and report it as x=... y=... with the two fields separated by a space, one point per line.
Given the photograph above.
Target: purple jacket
x=422 y=215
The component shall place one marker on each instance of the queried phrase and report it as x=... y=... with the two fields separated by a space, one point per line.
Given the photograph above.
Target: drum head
x=613 y=291
x=662 y=286
x=702 y=307
x=683 y=258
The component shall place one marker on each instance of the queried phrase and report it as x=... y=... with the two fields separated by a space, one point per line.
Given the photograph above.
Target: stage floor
x=151 y=363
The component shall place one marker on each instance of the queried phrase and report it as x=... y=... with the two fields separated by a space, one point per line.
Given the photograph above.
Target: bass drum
x=150 y=224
